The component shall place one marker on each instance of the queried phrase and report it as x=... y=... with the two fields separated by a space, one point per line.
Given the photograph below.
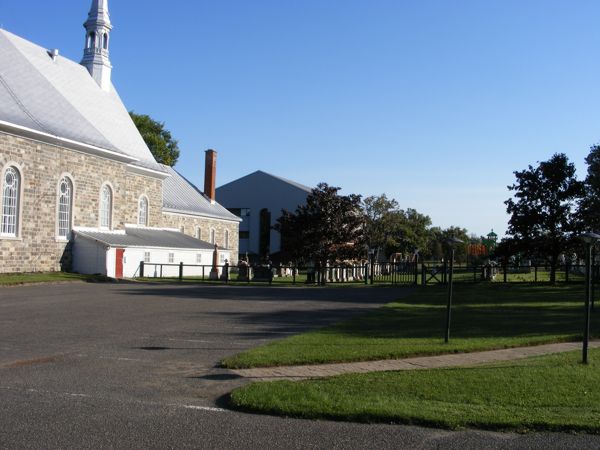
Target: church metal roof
x=181 y=196
x=147 y=238
x=58 y=97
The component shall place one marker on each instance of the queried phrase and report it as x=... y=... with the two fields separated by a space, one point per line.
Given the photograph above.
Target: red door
x=119 y=264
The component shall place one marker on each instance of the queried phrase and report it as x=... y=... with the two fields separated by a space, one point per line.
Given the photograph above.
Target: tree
x=543 y=220
x=328 y=228
x=392 y=229
x=589 y=207
x=382 y=222
x=158 y=139
x=439 y=247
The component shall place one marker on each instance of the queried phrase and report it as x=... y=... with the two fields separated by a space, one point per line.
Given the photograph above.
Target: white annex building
x=258 y=199
x=80 y=189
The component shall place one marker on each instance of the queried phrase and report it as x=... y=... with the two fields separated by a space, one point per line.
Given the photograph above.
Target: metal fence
x=437 y=273
x=401 y=273
x=380 y=273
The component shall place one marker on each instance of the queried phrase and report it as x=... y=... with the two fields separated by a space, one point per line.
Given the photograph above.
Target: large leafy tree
x=382 y=222
x=158 y=139
x=327 y=228
x=391 y=229
x=589 y=207
x=542 y=211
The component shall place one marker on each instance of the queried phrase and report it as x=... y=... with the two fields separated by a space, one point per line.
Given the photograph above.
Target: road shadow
x=369 y=294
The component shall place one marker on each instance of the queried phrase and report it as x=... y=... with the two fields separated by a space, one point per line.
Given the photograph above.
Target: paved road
x=134 y=366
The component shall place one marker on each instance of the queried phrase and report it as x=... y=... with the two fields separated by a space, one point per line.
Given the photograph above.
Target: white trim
x=144 y=171
x=147 y=224
x=18 y=232
x=174 y=212
x=57 y=212
x=99 y=230
x=64 y=142
x=112 y=206
x=130 y=225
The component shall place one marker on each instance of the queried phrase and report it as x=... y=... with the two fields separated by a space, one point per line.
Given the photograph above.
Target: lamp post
x=452 y=242
x=590 y=239
x=372 y=263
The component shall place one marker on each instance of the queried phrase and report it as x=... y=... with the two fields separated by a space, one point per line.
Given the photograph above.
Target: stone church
x=80 y=189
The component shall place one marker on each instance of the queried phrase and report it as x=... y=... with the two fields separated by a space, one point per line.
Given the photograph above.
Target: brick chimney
x=210 y=174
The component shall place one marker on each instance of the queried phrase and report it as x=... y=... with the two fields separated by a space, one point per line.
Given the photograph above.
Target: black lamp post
x=590 y=239
x=372 y=264
x=452 y=242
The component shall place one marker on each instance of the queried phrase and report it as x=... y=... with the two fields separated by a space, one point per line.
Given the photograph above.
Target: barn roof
x=146 y=238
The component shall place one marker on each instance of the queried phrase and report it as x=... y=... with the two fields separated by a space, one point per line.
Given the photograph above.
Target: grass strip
x=551 y=393
x=484 y=317
x=45 y=277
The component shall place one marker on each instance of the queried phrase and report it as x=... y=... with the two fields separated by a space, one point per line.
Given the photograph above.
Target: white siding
x=111 y=262
x=161 y=256
x=89 y=256
x=93 y=257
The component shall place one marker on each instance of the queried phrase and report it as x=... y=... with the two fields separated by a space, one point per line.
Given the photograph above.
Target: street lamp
x=372 y=262
x=452 y=242
x=590 y=239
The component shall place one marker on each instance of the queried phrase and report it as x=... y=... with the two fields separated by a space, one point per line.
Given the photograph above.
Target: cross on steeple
x=97 y=39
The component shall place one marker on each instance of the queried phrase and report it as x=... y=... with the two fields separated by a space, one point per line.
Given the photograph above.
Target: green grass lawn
x=553 y=392
x=45 y=277
x=484 y=316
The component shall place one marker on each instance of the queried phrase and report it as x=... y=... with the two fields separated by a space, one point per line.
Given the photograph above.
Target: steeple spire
x=97 y=39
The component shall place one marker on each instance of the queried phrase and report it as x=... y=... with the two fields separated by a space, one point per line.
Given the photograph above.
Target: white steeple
x=97 y=39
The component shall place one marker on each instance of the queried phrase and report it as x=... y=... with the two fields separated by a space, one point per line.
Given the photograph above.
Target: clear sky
x=435 y=103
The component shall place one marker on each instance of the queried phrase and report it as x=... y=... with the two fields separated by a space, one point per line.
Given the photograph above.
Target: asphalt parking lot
x=135 y=366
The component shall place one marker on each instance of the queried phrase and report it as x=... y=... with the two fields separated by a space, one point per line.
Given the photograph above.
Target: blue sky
x=435 y=103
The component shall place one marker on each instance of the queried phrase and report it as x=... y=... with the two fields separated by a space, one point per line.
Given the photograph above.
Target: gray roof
x=260 y=173
x=147 y=238
x=58 y=97
x=181 y=196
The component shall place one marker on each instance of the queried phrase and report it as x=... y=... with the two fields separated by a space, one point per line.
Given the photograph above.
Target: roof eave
x=58 y=141
x=197 y=214
x=147 y=172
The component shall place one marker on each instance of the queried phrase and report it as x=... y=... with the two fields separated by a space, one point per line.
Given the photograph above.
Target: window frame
x=19 y=207
x=143 y=197
x=69 y=178
x=108 y=185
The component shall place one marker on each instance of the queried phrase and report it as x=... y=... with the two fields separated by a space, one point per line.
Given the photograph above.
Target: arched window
x=65 y=207
x=91 y=40
x=198 y=232
x=226 y=238
x=105 y=41
x=106 y=204
x=143 y=211
x=213 y=239
x=11 y=201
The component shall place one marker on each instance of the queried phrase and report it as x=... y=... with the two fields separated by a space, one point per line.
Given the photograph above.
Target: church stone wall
x=190 y=223
x=37 y=248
